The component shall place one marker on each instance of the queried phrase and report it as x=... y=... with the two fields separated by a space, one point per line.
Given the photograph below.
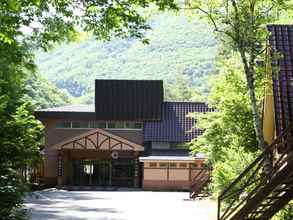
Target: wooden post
x=110 y=172
x=59 y=170
x=136 y=169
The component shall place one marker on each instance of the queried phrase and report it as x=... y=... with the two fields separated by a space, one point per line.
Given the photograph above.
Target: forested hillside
x=44 y=94
x=180 y=50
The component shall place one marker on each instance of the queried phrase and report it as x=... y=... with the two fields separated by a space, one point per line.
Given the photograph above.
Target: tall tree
x=241 y=25
x=29 y=25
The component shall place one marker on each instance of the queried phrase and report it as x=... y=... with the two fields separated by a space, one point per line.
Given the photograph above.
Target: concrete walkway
x=117 y=205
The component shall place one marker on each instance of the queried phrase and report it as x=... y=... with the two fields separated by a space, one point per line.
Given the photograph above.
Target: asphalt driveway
x=117 y=205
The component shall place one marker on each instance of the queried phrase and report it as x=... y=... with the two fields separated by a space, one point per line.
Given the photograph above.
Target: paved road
x=117 y=205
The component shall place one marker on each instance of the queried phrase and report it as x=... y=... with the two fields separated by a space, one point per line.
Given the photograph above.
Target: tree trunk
x=249 y=73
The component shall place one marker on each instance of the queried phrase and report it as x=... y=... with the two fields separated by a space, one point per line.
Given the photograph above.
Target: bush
x=227 y=170
x=12 y=190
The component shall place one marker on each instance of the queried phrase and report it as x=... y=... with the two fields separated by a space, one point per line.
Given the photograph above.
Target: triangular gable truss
x=98 y=139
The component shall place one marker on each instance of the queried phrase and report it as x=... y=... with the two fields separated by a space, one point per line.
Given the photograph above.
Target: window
x=98 y=124
x=63 y=124
x=160 y=145
x=118 y=124
x=179 y=146
x=193 y=165
x=183 y=165
x=153 y=165
x=80 y=124
x=134 y=125
x=172 y=165
x=163 y=165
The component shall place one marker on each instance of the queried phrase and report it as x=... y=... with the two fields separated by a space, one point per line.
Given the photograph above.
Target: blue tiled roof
x=281 y=41
x=175 y=126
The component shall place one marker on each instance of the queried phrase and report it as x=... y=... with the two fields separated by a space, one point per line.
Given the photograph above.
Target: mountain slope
x=44 y=94
x=178 y=48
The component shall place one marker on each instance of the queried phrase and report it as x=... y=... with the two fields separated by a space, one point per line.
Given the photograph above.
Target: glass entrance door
x=101 y=173
x=123 y=173
x=104 y=173
x=91 y=172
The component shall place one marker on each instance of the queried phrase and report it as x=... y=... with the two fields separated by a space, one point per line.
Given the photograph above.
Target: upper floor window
x=63 y=124
x=179 y=146
x=99 y=124
x=133 y=125
x=161 y=145
x=80 y=124
x=118 y=124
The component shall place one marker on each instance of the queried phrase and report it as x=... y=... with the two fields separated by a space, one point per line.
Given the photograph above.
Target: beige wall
x=170 y=178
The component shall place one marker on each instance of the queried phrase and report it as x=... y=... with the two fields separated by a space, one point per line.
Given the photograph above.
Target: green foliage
x=44 y=94
x=27 y=26
x=226 y=171
x=286 y=213
x=229 y=134
x=12 y=190
x=231 y=125
x=179 y=49
x=241 y=26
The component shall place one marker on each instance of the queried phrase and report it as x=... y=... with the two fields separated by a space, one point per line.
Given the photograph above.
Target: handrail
x=255 y=166
x=199 y=179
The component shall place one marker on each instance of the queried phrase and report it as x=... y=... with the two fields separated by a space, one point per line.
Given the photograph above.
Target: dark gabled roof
x=281 y=41
x=128 y=99
x=68 y=112
x=175 y=126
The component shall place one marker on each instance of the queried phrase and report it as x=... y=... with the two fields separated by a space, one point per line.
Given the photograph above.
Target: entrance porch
x=98 y=159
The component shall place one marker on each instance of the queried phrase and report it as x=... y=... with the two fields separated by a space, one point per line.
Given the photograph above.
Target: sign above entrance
x=98 y=139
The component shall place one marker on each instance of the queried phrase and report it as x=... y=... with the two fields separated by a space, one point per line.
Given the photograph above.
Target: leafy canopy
x=28 y=25
x=241 y=25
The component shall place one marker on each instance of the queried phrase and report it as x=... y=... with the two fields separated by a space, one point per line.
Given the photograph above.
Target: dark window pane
x=173 y=165
x=63 y=124
x=116 y=124
x=193 y=165
x=179 y=146
x=182 y=165
x=80 y=124
x=163 y=165
x=98 y=124
x=153 y=164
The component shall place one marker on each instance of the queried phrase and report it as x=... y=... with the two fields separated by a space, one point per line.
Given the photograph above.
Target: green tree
x=26 y=26
x=241 y=25
x=181 y=90
x=229 y=139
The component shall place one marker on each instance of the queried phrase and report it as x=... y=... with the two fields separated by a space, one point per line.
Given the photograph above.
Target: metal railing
x=253 y=178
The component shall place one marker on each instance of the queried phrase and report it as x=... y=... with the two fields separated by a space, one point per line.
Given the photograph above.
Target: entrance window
x=88 y=169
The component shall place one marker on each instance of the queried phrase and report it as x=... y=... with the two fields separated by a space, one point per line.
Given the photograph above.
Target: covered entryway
x=118 y=172
x=98 y=158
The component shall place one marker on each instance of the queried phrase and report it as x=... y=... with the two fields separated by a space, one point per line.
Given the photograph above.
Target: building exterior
x=129 y=138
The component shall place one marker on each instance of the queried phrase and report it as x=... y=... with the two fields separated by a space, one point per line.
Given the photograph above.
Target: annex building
x=130 y=137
